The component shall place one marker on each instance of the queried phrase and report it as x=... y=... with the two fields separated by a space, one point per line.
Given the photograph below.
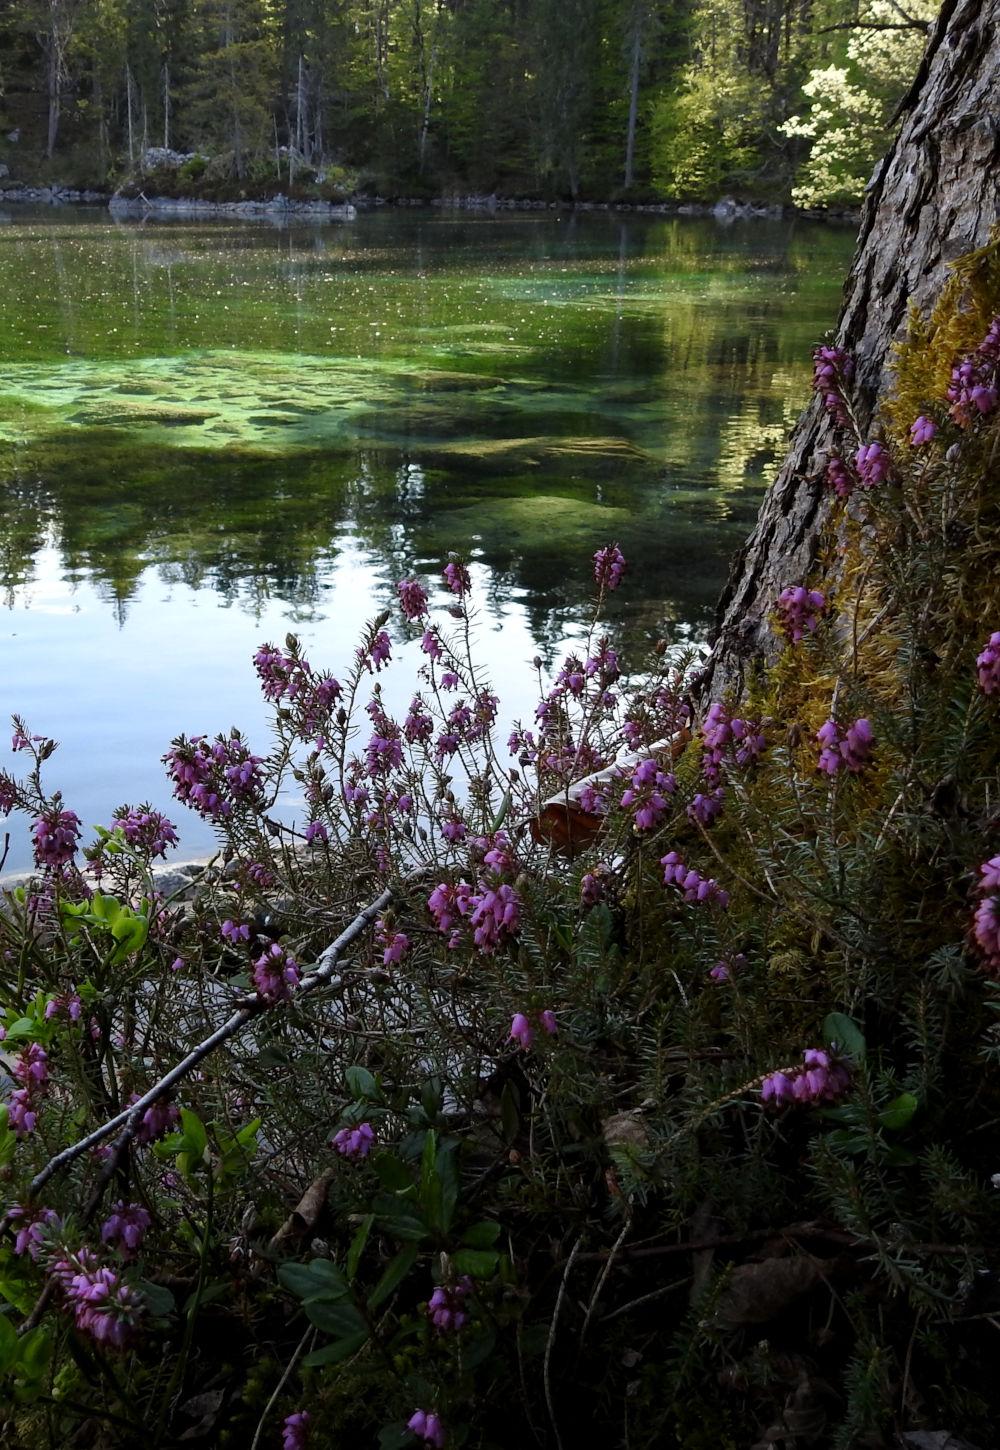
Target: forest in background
x=765 y=100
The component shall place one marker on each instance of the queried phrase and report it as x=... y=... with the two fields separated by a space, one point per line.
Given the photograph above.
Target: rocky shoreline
x=727 y=209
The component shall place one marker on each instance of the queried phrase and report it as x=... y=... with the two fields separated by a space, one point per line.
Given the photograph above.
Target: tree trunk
x=934 y=197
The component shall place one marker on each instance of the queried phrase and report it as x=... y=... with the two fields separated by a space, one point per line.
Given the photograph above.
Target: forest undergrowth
x=633 y=1079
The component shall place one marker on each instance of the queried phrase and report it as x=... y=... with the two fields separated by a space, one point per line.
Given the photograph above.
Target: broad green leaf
x=362 y=1085
x=431 y=1097
x=845 y=1034
x=158 y=1297
x=477 y=1263
x=338 y=1350
x=9 y=1344
x=339 y=1318
x=481 y=1235
x=394 y=1275
x=393 y=1174
x=479 y=1350
x=899 y=1112
x=194 y=1135
x=358 y=1246
x=308 y=1281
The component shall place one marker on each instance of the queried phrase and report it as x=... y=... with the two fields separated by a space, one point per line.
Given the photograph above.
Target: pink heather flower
x=457 y=578
x=316 y=831
x=396 y=943
x=68 y=1002
x=32 y=1232
x=453 y=830
x=697 y=889
x=705 y=808
x=609 y=566
x=427 y=1427
x=973 y=387
x=103 y=1307
x=380 y=652
x=495 y=916
x=55 y=834
x=821 y=1079
x=645 y=796
x=990 y=880
x=548 y=1021
x=295 y=1431
x=449 y=680
x=988 y=665
x=275 y=974
x=412 y=598
x=799 y=610
x=446 y=903
x=446 y=1307
x=833 y=368
x=126 y=1227
x=521 y=1031
x=431 y=645
x=592 y=801
x=354 y=1143
x=728 y=966
x=418 y=727
x=593 y=885
x=873 y=464
x=235 y=932
x=149 y=832
x=922 y=431
x=838 y=477
x=159 y=1118
x=854 y=751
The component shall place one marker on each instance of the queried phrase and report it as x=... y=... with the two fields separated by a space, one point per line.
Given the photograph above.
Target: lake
x=212 y=433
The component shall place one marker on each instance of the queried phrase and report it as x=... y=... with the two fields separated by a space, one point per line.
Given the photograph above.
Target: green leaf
x=394 y=1275
x=36 y=1351
x=309 y=1281
x=395 y=1436
x=477 y=1263
x=898 y=1113
x=478 y=1350
x=338 y=1350
x=393 y=1174
x=846 y=1035
x=361 y=1084
x=195 y=1137
x=341 y=1318
x=431 y=1097
x=358 y=1246
x=9 y=1344
x=160 y=1301
x=481 y=1235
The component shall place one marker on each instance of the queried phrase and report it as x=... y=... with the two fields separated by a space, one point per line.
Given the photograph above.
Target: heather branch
x=248 y=1009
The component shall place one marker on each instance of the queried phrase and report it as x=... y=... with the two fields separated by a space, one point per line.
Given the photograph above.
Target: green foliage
x=473 y=1166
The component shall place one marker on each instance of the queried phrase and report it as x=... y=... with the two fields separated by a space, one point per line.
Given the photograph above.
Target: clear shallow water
x=210 y=434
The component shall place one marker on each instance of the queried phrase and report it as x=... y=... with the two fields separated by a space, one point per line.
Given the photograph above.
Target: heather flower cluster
x=646 y=796
x=799 y=611
x=54 y=838
x=972 y=391
x=34 y=1230
x=295 y=1430
x=609 y=567
x=522 y=1032
x=354 y=1143
x=31 y=1070
x=839 y=477
x=873 y=464
x=275 y=974
x=986 y=921
x=833 y=369
x=290 y=679
x=696 y=888
x=725 y=736
x=820 y=1079
x=853 y=752
x=446 y=1307
x=214 y=777
x=145 y=830
x=103 y=1305
x=126 y=1227
x=427 y=1427
x=922 y=430
x=412 y=599
x=988 y=665
x=492 y=909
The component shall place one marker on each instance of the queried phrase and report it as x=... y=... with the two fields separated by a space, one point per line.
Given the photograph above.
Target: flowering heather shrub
x=424 y=1048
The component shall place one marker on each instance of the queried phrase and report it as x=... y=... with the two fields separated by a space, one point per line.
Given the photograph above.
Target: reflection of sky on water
x=181 y=662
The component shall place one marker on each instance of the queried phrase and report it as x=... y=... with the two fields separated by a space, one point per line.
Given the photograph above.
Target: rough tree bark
x=934 y=197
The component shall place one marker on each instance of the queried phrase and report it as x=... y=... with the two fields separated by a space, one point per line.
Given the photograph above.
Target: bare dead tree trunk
x=935 y=197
